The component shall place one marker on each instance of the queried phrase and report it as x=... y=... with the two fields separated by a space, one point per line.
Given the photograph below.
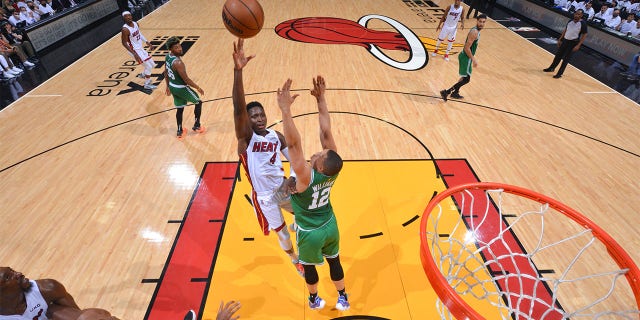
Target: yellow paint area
x=383 y=274
x=430 y=45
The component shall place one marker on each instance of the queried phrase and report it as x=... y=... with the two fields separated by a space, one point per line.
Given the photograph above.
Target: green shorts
x=316 y=244
x=183 y=95
x=464 y=65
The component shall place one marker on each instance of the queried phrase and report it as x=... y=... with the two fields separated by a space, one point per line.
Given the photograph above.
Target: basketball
x=243 y=18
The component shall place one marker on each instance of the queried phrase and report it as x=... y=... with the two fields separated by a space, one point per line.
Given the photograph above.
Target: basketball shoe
x=317 y=303
x=181 y=133
x=446 y=57
x=343 y=303
x=434 y=53
x=198 y=128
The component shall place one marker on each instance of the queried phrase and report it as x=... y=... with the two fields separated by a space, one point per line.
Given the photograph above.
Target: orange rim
x=462 y=310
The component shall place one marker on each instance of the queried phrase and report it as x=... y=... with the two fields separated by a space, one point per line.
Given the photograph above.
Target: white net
x=510 y=257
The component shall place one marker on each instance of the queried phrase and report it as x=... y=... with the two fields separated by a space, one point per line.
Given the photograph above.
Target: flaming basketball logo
x=328 y=30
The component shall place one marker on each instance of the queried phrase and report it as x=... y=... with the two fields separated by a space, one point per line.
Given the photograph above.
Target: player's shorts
x=182 y=95
x=448 y=33
x=314 y=245
x=143 y=54
x=464 y=65
x=267 y=211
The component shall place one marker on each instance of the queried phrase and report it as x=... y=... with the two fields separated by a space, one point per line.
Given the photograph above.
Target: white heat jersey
x=262 y=162
x=453 y=17
x=135 y=37
x=36 y=305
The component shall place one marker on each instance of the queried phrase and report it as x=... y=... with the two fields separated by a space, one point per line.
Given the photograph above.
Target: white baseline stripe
x=42 y=95
x=600 y=92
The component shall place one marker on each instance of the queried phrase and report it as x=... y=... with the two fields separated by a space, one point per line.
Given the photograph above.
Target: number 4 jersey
x=312 y=207
x=262 y=162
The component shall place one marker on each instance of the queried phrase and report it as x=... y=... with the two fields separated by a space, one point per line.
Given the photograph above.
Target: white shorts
x=143 y=54
x=448 y=33
x=267 y=212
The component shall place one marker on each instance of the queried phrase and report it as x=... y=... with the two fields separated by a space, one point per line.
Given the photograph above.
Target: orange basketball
x=243 y=18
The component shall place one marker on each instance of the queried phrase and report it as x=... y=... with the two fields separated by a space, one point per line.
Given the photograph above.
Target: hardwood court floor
x=91 y=173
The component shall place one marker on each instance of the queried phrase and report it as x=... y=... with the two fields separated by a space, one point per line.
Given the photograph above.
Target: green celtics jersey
x=474 y=45
x=174 y=77
x=312 y=207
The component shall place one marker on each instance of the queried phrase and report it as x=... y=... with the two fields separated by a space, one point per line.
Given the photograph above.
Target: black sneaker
x=548 y=70
x=456 y=95
x=198 y=128
x=557 y=76
x=191 y=315
x=444 y=94
x=181 y=133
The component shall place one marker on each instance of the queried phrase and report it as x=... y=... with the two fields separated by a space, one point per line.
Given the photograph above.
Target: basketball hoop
x=560 y=265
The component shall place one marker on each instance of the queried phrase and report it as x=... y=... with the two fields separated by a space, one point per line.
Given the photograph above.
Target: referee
x=569 y=42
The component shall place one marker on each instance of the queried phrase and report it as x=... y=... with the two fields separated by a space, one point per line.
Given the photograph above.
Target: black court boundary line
x=337 y=89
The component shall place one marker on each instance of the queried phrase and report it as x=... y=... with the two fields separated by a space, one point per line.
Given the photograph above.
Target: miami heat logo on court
x=329 y=30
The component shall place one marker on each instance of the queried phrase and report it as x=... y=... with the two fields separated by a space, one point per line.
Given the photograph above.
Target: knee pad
x=335 y=269
x=285 y=239
x=310 y=274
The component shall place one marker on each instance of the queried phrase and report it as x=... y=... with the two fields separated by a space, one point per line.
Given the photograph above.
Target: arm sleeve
x=285 y=152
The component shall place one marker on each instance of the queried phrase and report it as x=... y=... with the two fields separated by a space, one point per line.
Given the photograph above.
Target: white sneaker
x=16 y=70
x=28 y=64
x=433 y=54
x=8 y=75
x=149 y=86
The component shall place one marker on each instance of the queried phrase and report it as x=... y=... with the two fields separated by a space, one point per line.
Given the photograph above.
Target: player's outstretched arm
x=240 y=115
x=326 y=136
x=291 y=134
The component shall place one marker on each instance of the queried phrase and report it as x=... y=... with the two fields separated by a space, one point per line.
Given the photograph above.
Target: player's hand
x=225 y=312
x=290 y=185
x=200 y=91
x=137 y=57
x=285 y=99
x=475 y=62
x=167 y=91
x=319 y=87
x=239 y=59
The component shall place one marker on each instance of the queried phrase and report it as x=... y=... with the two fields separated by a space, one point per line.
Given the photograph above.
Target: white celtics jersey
x=262 y=162
x=135 y=38
x=453 y=17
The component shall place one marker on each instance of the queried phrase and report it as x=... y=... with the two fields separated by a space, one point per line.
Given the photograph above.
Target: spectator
x=28 y=16
x=21 y=4
x=589 y=13
x=7 y=5
x=16 y=19
x=635 y=31
x=36 y=11
x=56 y=5
x=560 y=4
x=15 y=39
x=603 y=13
x=626 y=25
x=33 y=299
x=633 y=7
x=614 y=20
x=12 y=51
x=576 y=5
x=45 y=8
x=9 y=70
x=634 y=67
